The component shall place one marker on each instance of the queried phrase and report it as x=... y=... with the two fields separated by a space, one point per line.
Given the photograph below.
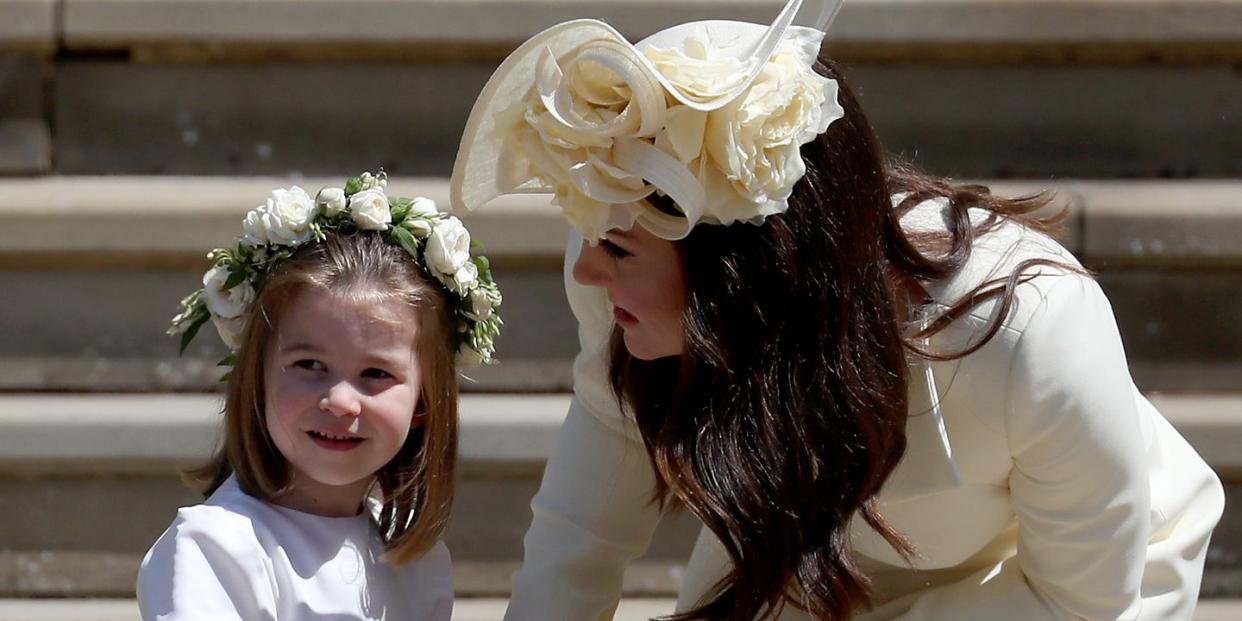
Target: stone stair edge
x=28 y=25
x=147 y=433
x=1145 y=221
x=120 y=22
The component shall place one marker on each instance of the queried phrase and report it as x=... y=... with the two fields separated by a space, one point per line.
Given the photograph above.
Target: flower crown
x=290 y=219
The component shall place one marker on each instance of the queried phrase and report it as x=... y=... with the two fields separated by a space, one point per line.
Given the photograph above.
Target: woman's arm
x=593 y=513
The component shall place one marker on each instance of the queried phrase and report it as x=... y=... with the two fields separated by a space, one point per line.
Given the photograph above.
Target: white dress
x=1038 y=483
x=237 y=557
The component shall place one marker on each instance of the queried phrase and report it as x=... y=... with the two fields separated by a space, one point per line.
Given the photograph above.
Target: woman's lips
x=623 y=317
x=333 y=442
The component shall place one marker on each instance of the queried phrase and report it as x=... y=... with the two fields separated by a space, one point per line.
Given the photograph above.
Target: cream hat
x=709 y=113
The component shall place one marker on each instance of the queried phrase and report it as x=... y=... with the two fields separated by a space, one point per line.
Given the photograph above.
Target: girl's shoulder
x=229 y=521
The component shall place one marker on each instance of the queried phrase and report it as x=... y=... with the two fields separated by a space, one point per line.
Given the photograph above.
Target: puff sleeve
x=1079 y=483
x=593 y=513
x=203 y=568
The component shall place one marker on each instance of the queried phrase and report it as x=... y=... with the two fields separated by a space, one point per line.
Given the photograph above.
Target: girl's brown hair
x=786 y=412
x=416 y=486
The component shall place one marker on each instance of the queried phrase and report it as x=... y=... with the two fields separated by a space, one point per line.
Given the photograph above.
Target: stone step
x=28 y=27
x=114 y=459
x=983 y=119
x=109 y=257
x=283 y=24
x=464 y=609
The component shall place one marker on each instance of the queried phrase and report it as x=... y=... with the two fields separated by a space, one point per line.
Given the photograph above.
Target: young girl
x=886 y=397
x=333 y=484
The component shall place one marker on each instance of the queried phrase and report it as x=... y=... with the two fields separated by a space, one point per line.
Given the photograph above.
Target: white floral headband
x=711 y=114
x=290 y=219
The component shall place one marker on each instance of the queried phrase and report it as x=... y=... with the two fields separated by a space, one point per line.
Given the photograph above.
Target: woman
x=783 y=333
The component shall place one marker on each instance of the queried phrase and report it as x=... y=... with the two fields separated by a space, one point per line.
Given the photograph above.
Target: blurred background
x=134 y=134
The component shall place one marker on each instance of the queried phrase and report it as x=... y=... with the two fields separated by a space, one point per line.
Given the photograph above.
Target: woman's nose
x=342 y=400
x=591 y=268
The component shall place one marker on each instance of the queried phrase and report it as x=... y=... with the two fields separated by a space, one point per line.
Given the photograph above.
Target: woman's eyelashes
x=613 y=250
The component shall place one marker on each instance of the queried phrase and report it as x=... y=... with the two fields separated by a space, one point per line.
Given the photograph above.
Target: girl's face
x=646 y=285
x=342 y=382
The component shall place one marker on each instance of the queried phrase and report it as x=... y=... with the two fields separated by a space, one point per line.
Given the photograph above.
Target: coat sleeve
x=593 y=512
x=201 y=568
x=1079 y=484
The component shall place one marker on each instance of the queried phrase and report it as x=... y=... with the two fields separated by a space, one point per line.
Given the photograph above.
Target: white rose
x=698 y=69
x=755 y=140
x=332 y=200
x=254 y=229
x=287 y=216
x=370 y=210
x=448 y=246
x=226 y=304
x=465 y=278
x=419 y=227
x=483 y=301
x=424 y=207
x=230 y=329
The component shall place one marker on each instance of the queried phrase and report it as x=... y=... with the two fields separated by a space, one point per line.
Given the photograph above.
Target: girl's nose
x=342 y=400
x=592 y=267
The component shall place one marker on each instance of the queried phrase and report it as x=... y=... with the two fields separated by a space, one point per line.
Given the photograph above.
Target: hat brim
x=477 y=178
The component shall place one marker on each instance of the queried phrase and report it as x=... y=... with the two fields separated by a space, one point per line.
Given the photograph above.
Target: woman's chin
x=648 y=349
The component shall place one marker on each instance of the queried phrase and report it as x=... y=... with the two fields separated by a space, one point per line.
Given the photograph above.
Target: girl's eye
x=374 y=373
x=309 y=365
x=613 y=250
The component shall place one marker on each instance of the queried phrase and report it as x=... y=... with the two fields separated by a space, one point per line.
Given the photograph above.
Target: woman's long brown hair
x=786 y=412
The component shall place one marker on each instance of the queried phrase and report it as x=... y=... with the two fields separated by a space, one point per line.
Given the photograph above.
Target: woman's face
x=645 y=282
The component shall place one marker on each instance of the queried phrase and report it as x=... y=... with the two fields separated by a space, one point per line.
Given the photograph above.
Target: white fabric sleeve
x=593 y=512
x=1079 y=486
x=203 y=569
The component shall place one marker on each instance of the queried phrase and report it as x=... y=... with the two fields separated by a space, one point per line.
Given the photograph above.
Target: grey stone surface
x=1180 y=328
x=157 y=221
x=94 y=329
x=96 y=22
x=25 y=140
x=28 y=26
x=992 y=121
x=118 y=118
x=1146 y=222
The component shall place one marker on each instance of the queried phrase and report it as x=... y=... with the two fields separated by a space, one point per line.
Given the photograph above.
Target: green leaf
x=237 y=274
x=400 y=208
x=485 y=267
x=228 y=361
x=353 y=186
x=192 y=331
x=406 y=240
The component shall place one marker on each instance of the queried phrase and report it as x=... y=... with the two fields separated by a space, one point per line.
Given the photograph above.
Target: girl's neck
x=315 y=498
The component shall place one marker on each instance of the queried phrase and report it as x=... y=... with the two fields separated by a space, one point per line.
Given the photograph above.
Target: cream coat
x=1038 y=483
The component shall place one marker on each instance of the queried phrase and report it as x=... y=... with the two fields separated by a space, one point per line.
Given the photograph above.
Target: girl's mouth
x=334 y=442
